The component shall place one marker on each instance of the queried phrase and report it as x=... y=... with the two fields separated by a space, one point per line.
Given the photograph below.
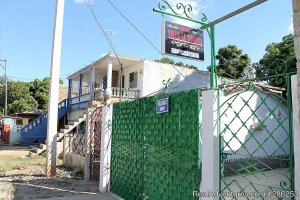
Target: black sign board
x=182 y=41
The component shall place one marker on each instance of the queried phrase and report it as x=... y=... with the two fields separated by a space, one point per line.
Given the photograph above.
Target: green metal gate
x=156 y=156
x=256 y=146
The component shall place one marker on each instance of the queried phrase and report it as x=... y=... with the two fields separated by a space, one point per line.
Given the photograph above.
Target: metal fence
x=156 y=156
x=256 y=145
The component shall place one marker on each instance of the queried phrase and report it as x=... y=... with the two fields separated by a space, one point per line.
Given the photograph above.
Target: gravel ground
x=23 y=178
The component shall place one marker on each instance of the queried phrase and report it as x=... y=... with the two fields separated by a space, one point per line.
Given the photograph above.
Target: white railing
x=125 y=93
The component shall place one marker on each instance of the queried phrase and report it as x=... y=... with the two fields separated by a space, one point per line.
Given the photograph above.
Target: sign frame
x=164 y=108
x=182 y=41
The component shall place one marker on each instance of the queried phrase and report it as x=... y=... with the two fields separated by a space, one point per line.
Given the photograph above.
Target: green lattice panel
x=264 y=152
x=164 y=148
x=171 y=164
x=127 y=151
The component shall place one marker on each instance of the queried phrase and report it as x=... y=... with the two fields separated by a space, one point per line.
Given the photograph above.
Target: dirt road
x=22 y=177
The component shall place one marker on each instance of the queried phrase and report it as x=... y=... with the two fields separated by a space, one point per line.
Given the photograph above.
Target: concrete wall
x=15 y=134
x=154 y=73
x=296 y=20
x=252 y=127
x=74 y=114
x=296 y=126
x=73 y=160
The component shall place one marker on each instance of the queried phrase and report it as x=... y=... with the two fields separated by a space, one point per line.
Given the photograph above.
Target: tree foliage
x=40 y=90
x=19 y=97
x=231 y=62
x=24 y=96
x=279 y=58
x=167 y=60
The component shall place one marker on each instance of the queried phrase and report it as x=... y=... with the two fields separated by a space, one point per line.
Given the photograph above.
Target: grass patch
x=12 y=163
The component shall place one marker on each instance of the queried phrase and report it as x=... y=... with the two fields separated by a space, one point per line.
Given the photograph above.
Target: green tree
x=40 y=91
x=231 y=61
x=167 y=60
x=20 y=98
x=279 y=59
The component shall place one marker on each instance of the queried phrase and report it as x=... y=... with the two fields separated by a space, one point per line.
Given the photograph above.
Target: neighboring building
x=28 y=116
x=254 y=117
x=11 y=129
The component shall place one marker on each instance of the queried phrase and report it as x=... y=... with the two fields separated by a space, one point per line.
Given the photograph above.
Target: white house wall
x=134 y=68
x=74 y=114
x=235 y=125
x=155 y=73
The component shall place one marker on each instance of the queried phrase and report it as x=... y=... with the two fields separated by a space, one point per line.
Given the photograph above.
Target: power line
x=89 y=5
x=139 y=31
x=145 y=37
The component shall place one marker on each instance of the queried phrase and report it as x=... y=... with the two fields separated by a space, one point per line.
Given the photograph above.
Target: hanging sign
x=182 y=41
x=162 y=105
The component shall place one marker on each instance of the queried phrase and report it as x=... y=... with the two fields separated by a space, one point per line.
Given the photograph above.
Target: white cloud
x=198 y=7
x=83 y=1
x=291 y=26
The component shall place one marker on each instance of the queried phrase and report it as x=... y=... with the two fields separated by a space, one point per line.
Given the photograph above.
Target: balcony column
x=109 y=79
x=92 y=82
x=69 y=91
x=80 y=87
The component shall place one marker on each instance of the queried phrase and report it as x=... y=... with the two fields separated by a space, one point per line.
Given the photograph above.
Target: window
x=133 y=79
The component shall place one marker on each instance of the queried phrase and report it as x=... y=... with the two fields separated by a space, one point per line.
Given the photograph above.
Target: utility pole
x=5 y=104
x=53 y=92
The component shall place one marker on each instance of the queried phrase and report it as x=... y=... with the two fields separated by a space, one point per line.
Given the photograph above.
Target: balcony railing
x=117 y=92
x=98 y=95
x=125 y=93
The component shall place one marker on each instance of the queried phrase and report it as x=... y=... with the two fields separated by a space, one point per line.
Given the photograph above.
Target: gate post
x=210 y=181
x=296 y=134
x=87 y=156
x=104 y=179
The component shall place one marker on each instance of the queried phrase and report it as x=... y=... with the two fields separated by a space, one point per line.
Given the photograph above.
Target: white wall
x=154 y=73
x=244 y=132
x=75 y=114
x=296 y=126
x=134 y=68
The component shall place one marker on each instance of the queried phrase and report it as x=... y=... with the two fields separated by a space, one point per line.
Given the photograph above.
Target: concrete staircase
x=60 y=135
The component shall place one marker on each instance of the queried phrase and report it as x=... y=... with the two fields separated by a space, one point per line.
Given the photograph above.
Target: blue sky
x=27 y=26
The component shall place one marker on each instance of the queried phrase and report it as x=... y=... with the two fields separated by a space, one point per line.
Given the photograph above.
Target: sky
x=26 y=29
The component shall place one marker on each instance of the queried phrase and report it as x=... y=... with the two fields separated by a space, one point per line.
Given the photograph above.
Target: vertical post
x=105 y=148
x=5 y=106
x=92 y=82
x=296 y=20
x=80 y=87
x=109 y=78
x=53 y=91
x=296 y=94
x=88 y=134
x=210 y=144
x=296 y=133
x=66 y=146
x=69 y=91
x=5 y=76
x=213 y=72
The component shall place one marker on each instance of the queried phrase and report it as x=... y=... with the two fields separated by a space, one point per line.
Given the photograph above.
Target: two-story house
x=113 y=78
